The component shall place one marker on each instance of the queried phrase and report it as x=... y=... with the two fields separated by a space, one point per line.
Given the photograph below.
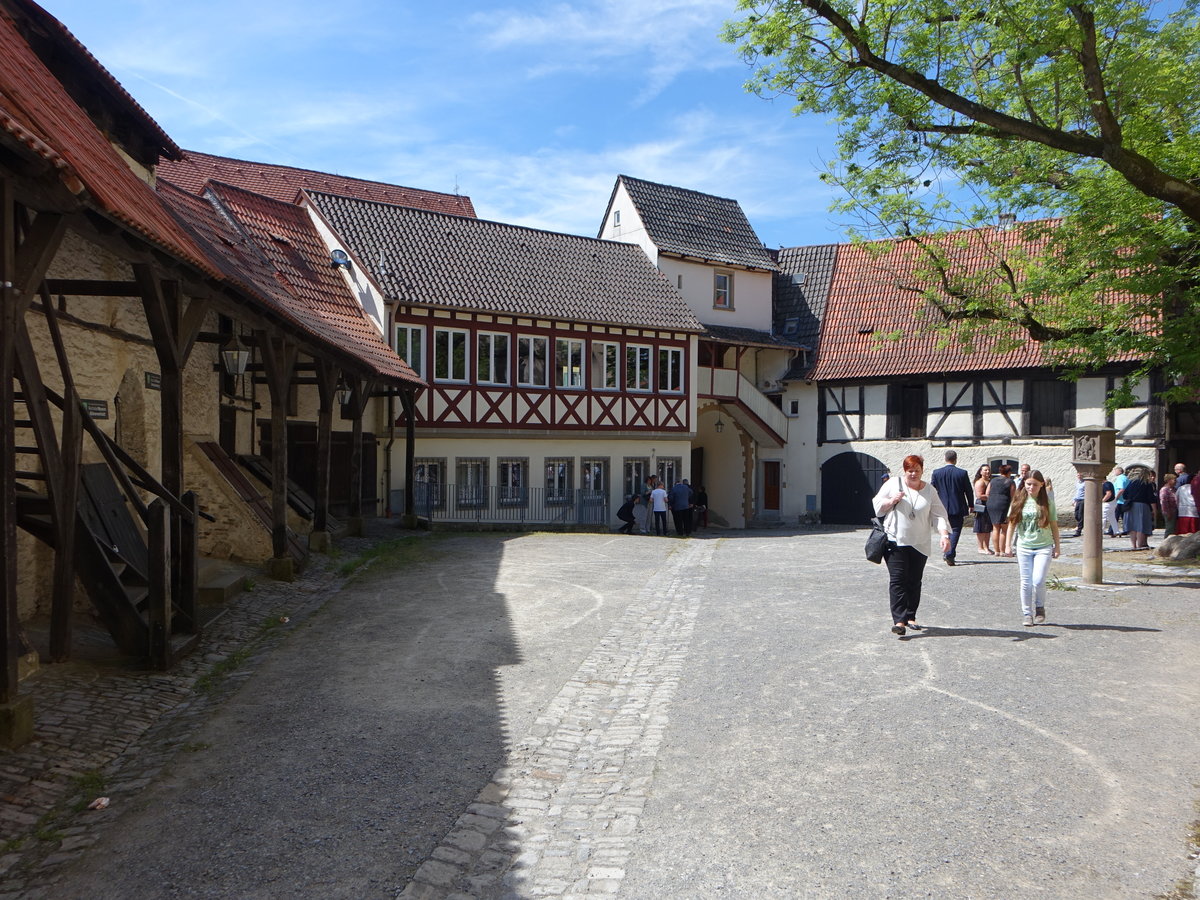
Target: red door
x=771 y=485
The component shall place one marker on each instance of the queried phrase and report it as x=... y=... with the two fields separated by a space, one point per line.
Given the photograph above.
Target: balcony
x=752 y=409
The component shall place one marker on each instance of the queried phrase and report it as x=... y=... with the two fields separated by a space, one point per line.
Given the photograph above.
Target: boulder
x=1179 y=546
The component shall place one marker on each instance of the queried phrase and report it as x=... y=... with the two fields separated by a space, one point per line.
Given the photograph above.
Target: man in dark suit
x=954 y=488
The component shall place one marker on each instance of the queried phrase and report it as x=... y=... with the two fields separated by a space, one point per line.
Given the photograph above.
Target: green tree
x=1080 y=119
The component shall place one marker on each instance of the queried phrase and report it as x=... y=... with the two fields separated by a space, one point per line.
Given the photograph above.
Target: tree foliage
x=1081 y=119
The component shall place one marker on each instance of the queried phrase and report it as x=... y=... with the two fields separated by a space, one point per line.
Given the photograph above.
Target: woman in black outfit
x=999 y=498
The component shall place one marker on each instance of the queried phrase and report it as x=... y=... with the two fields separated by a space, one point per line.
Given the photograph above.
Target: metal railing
x=501 y=505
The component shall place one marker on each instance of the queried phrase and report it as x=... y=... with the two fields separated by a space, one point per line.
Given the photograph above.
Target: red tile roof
x=273 y=249
x=871 y=294
x=37 y=110
x=285 y=183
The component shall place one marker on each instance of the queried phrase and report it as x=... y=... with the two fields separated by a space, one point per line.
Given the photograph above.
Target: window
x=637 y=368
x=604 y=366
x=450 y=354
x=670 y=369
x=512 y=475
x=670 y=470
x=791 y=325
x=558 y=480
x=1051 y=406
x=723 y=290
x=593 y=474
x=410 y=346
x=679 y=282
x=634 y=478
x=492 y=362
x=428 y=481
x=471 y=488
x=568 y=363
x=616 y=218
x=908 y=411
x=531 y=360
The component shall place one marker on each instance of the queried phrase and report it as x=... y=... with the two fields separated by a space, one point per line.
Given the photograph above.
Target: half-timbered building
x=707 y=250
x=561 y=369
x=882 y=384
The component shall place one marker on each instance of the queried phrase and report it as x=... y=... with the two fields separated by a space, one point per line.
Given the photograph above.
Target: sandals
x=914 y=626
x=898 y=629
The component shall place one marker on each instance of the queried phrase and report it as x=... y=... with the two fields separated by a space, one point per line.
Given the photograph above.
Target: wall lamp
x=340 y=258
x=235 y=359
x=720 y=426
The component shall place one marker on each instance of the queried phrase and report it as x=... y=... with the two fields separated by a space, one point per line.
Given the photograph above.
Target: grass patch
x=12 y=845
x=1056 y=583
x=210 y=680
x=195 y=746
x=395 y=554
x=47 y=829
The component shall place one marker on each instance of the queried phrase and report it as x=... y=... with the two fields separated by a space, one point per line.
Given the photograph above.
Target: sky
x=530 y=108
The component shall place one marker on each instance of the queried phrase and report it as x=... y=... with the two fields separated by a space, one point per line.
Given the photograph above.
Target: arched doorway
x=848 y=482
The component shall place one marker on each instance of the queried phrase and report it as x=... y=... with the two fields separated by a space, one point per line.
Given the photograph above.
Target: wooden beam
x=9 y=625
x=410 y=438
x=79 y=287
x=279 y=356
x=327 y=376
x=36 y=253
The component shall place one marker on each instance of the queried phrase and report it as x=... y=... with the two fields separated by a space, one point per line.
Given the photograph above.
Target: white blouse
x=912 y=522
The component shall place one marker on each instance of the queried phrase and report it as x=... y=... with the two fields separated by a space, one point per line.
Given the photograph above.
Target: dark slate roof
x=800 y=292
x=286 y=183
x=688 y=223
x=748 y=336
x=464 y=263
x=39 y=113
x=272 y=250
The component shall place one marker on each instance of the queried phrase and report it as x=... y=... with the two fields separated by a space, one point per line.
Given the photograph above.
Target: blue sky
x=531 y=108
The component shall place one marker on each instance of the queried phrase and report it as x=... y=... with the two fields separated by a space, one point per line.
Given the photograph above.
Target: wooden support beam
x=279 y=357
x=327 y=378
x=186 y=618
x=410 y=440
x=159 y=600
x=360 y=396
x=9 y=317
x=81 y=287
x=36 y=253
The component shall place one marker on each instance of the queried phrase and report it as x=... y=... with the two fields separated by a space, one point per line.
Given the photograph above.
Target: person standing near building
x=700 y=508
x=681 y=507
x=983 y=522
x=1112 y=514
x=1168 y=503
x=953 y=486
x=625 y=514
x=658 y=504
x=1120 y=481
x=1033 y=522
x=999 y=499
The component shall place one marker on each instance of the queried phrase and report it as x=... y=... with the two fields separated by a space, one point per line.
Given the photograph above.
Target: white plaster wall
x=357 y=279
x=801 y=473
x=725 y=471
x=631 y=230
x=694 y=281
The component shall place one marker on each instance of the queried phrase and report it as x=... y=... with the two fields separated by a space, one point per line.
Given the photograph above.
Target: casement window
x=531 y=360
x=558 y=480
x=450 y=354
x=428 y=484
x=616 y=218
x=670 y=369
x=633 y=479
x=568 y=363
x=512 y=481
x=410 y=346
x=722 y=290
x=471 y=483
x=593 y=474
x=669 y=470
x=637 y=367
x=907 y=411
x=605 y=364
x=791 y=325
x=1051 y=406
x=491 y=365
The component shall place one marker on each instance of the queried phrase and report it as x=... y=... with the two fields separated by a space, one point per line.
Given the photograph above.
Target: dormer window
x=791 y=325
x=722 y=290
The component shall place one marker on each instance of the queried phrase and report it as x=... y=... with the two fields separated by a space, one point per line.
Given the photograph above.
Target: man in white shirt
x=658 y=503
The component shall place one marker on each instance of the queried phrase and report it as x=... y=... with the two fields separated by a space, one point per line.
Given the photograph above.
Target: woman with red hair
x=911 y=509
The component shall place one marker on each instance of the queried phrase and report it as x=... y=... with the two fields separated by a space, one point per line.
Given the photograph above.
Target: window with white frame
x=410 y=346
x=670 y=369
x=568 y=363
x=636 y=469
x=637 y=368
x=491 y=365
x=512 y=481
x=531 y=360
x=558 y=480
x=450 y=354
x=593 y=474
x=428 y=481
x=605 y=363
x=471 y=481
x=723 y=290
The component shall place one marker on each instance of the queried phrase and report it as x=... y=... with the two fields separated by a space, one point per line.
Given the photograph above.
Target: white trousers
x=1033 y=566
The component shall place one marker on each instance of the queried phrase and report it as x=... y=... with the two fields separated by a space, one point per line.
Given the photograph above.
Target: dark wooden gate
x=302 y=464
x=848 y=482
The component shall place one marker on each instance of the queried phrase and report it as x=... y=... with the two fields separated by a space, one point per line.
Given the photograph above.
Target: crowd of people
x=648 y=509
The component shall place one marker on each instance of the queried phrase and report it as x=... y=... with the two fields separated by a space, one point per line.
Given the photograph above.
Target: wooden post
x=159 y=599
x=327 y=376
x=279 y=361
x=410 y=454
x=189 y=566
x=8 y=499
x=362 y=391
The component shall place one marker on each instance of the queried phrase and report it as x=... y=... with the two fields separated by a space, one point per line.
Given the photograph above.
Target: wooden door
x=771 y=483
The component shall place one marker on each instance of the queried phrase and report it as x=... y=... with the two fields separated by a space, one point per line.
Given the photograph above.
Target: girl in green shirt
x=1033 y=522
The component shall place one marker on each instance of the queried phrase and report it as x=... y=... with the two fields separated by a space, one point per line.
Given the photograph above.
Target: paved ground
x=568 y=715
